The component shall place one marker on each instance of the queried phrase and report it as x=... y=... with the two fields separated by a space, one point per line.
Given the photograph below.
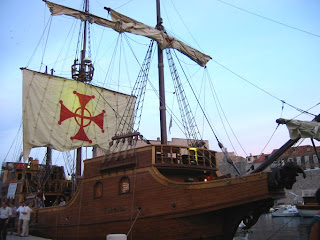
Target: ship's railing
x=51 y=186
x=57 y=185
x=177 y=155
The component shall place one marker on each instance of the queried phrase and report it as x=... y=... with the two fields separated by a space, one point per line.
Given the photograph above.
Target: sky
x=262 y=52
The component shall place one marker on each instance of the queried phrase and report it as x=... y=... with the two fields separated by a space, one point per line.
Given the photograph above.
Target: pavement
x=14 y=236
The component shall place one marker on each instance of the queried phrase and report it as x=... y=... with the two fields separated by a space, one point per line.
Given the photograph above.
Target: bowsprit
x=82 y=116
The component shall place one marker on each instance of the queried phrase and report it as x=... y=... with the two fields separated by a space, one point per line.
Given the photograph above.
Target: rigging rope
x=224 y=150
x=14 y=141
x=191 y=129
x=306 y=111
x=218 y=105
x=273 y=96
x=45 y=46
x=123 y=5
x=269 y=19
x=38 y=44
x=205 y=115
x=282 y=107
x=185 y=25
x=133 y=193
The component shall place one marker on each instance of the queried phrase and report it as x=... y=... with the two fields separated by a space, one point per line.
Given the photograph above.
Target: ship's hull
x=156 y=207
x=209 y=225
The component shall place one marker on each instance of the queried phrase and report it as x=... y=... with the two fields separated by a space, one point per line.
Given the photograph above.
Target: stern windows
x=124 y=185
x=97 y=190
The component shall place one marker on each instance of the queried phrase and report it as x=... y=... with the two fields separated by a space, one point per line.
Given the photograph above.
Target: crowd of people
x=9 y=212
x=8 y=219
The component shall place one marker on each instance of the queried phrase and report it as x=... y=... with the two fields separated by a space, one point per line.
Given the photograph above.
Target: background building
x=304 y=156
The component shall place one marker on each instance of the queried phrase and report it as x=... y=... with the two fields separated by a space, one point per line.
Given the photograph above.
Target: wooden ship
x=149 y=192
x=160 y=193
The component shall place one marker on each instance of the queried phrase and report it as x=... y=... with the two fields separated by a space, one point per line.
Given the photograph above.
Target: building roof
x=261 y=158
x=300 y=151
x=292 y=152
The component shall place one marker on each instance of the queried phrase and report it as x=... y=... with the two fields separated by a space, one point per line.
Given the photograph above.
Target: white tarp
x=303 y=129
x=65 y=114
x=122 y=23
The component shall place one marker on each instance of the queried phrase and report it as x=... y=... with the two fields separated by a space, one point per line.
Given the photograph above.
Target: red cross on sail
x=81 y=113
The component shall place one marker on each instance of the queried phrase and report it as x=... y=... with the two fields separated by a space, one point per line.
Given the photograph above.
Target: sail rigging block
x=122 y=23
x=303 y=129
x=65 y=114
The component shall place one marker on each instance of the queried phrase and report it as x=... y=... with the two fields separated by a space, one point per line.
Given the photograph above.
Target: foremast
x=82 y=72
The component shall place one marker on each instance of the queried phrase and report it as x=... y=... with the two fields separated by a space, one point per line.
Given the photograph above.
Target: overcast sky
x=274 y=45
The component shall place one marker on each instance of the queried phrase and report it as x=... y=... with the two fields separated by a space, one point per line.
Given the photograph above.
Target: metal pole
x=163 y=120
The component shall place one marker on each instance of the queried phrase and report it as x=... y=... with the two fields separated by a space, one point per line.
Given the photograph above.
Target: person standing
x=5 y=214
x=25 y=213
x=39 y=203
x=12 y=219
x=19 y=210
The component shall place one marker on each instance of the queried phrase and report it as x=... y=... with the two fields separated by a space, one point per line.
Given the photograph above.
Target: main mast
x=163 y=121
x=82 y=72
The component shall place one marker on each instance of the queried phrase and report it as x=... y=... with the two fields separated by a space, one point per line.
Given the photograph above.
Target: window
x=124 y=186
x=29 y=176
x=306 y=159
x=315 y=159
x=298 y=160
x=97 y=190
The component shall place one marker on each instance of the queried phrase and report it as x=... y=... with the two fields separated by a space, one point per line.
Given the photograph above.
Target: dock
x=14 y=236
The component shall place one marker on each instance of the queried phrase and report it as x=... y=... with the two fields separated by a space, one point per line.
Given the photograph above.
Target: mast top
x=83 y=71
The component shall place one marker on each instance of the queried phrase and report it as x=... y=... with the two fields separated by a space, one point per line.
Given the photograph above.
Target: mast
x=49 y=150
x=162 y=99
x=83 y=51
x=82 y=72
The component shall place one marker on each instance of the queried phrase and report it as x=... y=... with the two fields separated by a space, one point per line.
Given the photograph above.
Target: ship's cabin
x=177 y=163
x=186 y=164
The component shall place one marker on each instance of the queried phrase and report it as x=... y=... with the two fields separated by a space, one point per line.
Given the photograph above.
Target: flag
x=170 y=124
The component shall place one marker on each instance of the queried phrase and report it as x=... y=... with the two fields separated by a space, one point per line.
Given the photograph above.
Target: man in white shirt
x=24 y=216
x=19 y=210
x=5 y=214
